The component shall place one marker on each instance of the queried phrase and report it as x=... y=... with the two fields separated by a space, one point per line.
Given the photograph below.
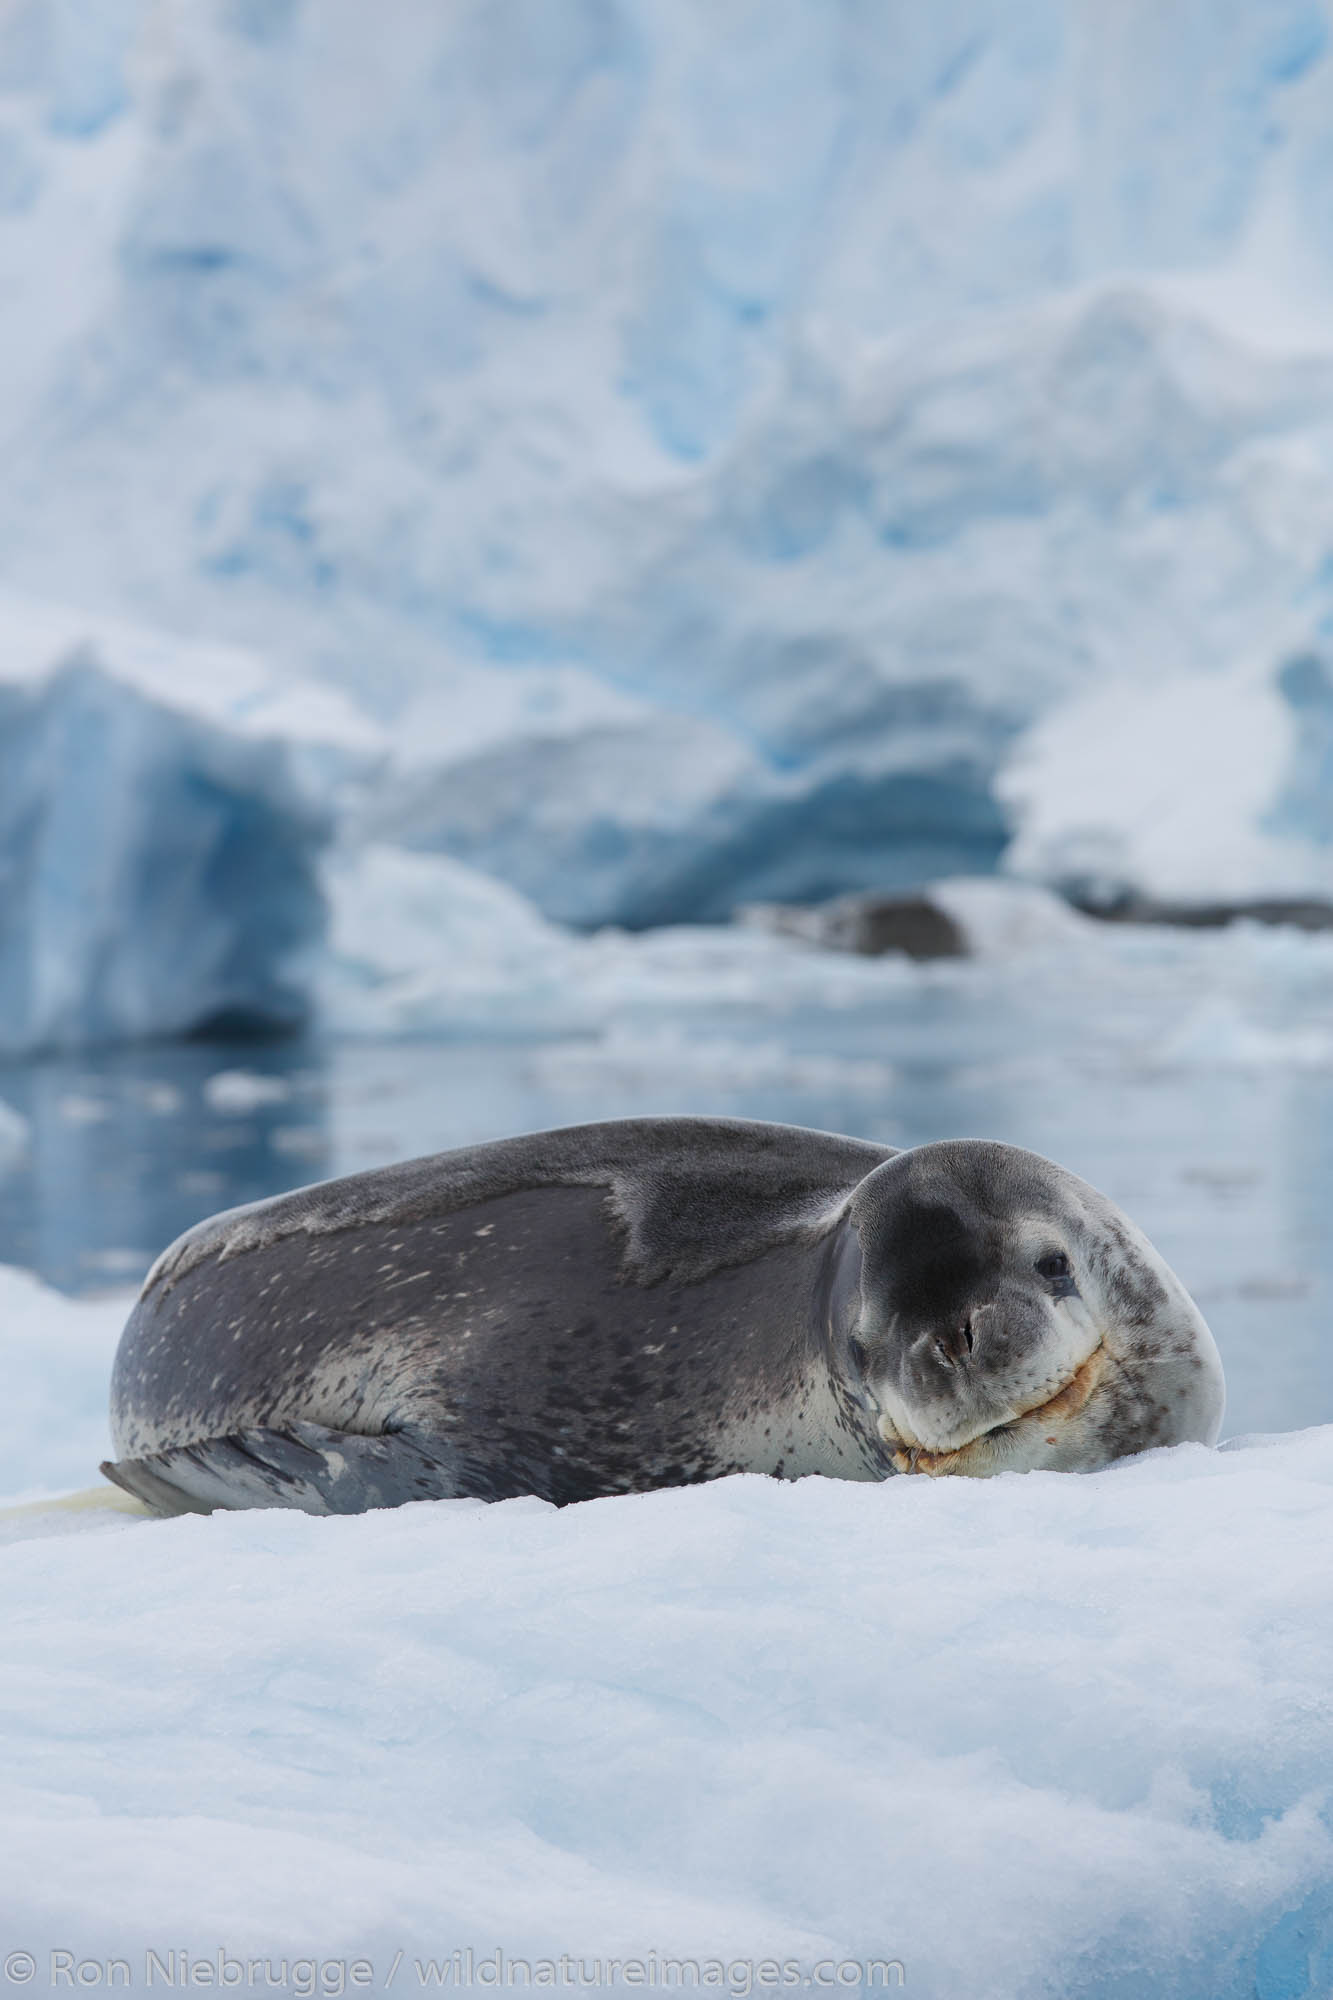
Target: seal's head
x=1009 y=1317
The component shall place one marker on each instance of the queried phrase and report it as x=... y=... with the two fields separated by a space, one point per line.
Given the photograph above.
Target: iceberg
x=162 y=810
x=420 y=944
x=1193 y=788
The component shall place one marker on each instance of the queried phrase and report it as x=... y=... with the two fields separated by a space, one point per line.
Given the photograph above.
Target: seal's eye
x=1056 y=1265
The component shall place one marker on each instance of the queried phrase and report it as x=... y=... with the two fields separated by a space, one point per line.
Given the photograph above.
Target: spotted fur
x=612 y=1308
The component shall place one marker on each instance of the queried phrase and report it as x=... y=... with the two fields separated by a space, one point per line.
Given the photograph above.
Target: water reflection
x=127 y=1147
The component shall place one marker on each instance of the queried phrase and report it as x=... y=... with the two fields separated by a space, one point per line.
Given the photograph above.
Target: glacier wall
x=716 y=449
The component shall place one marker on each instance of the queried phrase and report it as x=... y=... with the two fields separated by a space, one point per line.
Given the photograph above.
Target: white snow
x=1174 y=786
x=1025 y=1736
x=228 y=687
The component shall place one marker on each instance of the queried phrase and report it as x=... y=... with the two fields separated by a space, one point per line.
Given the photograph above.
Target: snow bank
x=1025 y=1736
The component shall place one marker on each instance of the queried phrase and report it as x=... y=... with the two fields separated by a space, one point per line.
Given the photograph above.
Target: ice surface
x=1031 y=1736
x=710 y=447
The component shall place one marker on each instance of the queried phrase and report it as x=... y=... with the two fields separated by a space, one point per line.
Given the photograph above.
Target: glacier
x=724 y=459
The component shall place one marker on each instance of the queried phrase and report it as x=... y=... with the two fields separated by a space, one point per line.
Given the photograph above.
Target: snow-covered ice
x=1034 y=1736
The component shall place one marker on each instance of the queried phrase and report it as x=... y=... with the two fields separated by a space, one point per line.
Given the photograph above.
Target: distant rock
x=1302 y=913
x=959 y=916
x=868 y=924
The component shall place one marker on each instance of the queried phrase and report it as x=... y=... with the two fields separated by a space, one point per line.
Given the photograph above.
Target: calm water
x=1229 y=1168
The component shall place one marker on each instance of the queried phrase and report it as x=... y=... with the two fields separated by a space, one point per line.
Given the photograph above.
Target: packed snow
x=1032 y=1736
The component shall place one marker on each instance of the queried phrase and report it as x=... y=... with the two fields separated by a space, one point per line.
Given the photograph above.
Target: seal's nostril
x=952 y=1346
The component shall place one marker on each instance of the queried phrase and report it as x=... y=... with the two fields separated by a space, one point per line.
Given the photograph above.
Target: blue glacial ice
x=160 y=833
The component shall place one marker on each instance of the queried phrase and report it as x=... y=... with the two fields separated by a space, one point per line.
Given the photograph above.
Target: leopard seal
x=652 y=1302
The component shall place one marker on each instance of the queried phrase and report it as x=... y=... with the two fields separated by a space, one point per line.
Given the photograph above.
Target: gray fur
x=652 y=1302
x=693 y=1194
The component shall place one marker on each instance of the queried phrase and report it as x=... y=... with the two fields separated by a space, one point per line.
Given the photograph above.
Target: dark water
x=1229 y=1170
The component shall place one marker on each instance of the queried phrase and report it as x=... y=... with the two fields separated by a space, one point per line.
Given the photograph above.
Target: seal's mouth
x=998 y=1448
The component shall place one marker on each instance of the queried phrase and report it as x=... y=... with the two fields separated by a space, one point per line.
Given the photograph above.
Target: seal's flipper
x=304 y=1466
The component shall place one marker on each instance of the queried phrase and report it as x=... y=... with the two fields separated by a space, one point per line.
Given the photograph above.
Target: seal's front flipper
x=303 y=1465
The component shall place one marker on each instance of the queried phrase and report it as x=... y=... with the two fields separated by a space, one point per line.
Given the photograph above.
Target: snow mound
x=1030 y=1735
